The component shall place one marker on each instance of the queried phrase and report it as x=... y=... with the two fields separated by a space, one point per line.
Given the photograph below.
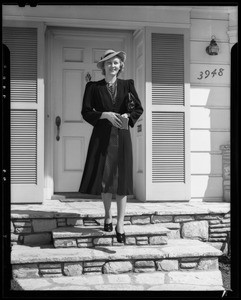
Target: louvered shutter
x=26 y=115
x=168 y=149
x=24 y=146
x=168 y=156
x=22 y=43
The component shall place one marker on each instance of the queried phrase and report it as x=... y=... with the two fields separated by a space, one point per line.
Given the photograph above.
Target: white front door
x=74 y=57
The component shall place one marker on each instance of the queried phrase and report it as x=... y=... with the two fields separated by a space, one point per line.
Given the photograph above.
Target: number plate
x=210 y=74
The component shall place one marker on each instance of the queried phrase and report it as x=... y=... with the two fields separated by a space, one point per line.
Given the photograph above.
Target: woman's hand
x=125 y=116
x=113 y=118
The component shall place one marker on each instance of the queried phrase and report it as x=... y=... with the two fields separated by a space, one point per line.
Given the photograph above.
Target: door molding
x=53 y=33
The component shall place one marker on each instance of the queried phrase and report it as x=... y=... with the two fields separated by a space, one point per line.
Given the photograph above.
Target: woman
x=108 y=166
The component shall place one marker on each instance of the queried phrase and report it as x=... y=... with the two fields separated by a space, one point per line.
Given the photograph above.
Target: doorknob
x=58 y=122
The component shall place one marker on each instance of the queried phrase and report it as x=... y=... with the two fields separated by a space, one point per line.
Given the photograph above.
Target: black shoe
x=108 y=227
x=121 y=238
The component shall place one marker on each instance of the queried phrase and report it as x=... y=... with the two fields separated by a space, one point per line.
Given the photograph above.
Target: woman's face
x=112 y=66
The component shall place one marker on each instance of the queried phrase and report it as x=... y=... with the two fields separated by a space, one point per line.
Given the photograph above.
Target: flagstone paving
x=54 y=208
x=127 y=282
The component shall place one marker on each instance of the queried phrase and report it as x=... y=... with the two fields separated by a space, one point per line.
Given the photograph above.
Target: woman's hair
x=122 y=65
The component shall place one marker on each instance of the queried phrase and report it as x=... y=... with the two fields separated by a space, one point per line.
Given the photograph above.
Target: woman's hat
x=109 y=54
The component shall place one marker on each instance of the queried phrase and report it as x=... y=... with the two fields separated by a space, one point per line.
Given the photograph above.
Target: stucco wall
x=210 y=104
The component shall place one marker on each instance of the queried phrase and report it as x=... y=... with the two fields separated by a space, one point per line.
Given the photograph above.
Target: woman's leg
x=106 y=198
x=121 y=208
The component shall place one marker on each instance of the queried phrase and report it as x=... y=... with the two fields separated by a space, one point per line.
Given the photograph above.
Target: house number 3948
x=207 y=73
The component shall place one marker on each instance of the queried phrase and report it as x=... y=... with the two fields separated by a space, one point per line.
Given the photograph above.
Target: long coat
x=97 y=100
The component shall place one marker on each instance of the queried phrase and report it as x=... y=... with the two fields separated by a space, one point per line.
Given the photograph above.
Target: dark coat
x=97 y=100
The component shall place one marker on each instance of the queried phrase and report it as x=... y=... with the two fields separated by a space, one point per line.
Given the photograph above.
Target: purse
x=130 y=102
x=125 y=122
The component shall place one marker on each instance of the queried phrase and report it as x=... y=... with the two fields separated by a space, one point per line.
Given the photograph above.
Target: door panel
x=74 y=64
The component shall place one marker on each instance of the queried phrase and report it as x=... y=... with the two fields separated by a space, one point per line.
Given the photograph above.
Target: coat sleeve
x=88 y=111
x=138 y=110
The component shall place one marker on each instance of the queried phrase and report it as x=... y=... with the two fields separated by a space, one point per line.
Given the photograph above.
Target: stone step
x=158 y=281
x=32 y=224
x=178 y=256
x=92 y=236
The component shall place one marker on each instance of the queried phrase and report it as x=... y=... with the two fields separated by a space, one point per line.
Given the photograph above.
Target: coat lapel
x=105 y=96
x=120 y=90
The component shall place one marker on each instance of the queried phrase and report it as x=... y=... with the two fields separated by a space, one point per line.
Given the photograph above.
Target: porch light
x=213 y=48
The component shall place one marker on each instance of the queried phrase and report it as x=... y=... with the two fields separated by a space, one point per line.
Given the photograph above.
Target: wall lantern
x=213 y=48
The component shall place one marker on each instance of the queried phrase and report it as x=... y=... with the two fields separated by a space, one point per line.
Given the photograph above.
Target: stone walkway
x=94 y=208
x=126 y=282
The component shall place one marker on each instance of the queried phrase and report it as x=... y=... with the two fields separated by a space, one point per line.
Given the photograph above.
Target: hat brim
x=121 y=54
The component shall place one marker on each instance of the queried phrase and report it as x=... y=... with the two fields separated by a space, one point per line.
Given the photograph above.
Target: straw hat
x=109 y=54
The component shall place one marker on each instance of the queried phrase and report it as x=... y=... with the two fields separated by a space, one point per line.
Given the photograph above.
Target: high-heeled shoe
x=108 y=227
x=121 y=237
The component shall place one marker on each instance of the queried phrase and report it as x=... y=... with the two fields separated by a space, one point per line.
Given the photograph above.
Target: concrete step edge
x=132 y=281
x=174 y=249
x=97 y=231
x=56 y=209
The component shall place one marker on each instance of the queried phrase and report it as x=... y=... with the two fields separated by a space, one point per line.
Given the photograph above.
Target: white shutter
x=168 y=149
x=168 y=154
x=167 y=69
x=27 y=118
x=22 y=43
x=24 y=146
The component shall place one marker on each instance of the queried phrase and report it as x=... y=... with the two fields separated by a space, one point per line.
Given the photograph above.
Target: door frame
x=50 y=34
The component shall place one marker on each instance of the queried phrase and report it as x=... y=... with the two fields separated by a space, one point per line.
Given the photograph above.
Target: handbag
x=130 y=102
x=125 y=122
